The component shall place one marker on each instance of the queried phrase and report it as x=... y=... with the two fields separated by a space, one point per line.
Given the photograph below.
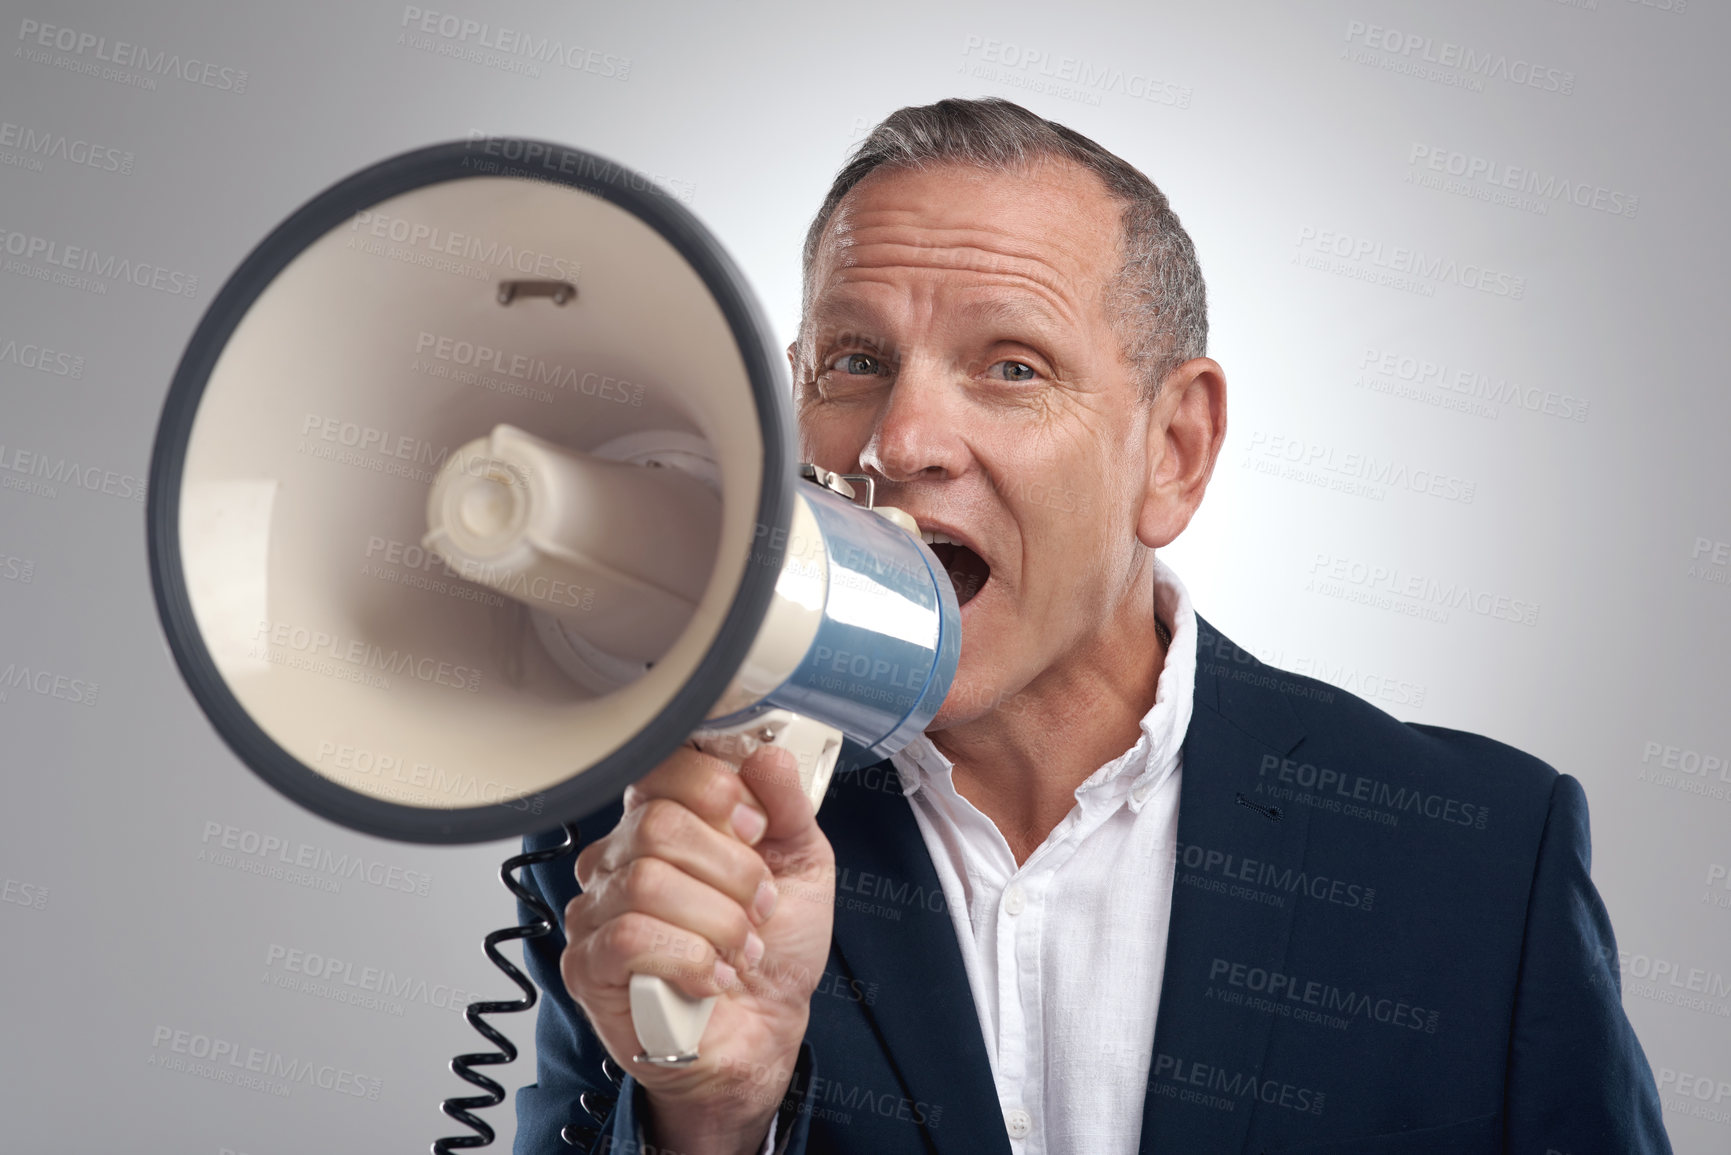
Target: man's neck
x=1021 y=763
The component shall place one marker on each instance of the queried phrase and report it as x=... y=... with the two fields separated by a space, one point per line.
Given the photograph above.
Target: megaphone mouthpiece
x=619 y=552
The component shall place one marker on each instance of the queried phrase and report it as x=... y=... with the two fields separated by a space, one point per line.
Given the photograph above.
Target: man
x=1133 y=891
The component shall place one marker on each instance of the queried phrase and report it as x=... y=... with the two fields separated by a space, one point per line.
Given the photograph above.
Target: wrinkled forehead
x=1045 y=234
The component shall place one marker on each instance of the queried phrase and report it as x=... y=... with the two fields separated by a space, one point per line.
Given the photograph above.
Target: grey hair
x=1157 y=302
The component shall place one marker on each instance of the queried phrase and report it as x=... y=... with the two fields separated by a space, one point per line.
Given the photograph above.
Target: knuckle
x=663 y=823
x=571 y=971
x=627 y=935
x=744 y=872
x=715 y=793
x=574 y=967
x=658 y=781
x=644 y=881
x=586 y=859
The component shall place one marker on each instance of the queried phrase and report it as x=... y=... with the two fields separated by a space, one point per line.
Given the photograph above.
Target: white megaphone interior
x=350 y=379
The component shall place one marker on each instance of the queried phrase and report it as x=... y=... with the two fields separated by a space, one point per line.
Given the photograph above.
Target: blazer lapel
x=1232 y=900
x=893 y=927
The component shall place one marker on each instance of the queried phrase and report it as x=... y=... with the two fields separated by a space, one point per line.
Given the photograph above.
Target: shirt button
x=1018 y=1122
x=1014 y=900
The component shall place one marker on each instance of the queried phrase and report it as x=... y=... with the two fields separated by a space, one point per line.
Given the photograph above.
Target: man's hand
x=722 y=884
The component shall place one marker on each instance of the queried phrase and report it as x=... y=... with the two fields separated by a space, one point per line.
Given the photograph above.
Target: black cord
x=460 y=1108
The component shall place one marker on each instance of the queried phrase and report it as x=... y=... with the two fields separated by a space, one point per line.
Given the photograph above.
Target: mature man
x=1132 y=891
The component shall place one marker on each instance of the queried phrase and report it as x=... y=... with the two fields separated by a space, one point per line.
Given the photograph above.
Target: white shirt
x=1065 y=954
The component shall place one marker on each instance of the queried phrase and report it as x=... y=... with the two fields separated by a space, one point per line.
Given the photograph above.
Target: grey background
x=1270 y=125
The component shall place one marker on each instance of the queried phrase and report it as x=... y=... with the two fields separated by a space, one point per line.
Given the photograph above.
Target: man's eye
x=857 y=364
x=1012 y=371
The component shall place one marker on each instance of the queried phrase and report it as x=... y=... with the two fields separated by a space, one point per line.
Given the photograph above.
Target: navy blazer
x=1384 y=939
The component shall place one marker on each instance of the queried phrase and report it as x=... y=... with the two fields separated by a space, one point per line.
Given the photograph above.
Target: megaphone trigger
x=814 y=745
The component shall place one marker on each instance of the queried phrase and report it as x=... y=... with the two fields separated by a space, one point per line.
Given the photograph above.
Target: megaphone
x=475 y=494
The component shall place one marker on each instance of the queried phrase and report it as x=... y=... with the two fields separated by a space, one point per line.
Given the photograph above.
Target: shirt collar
x=1134 y=775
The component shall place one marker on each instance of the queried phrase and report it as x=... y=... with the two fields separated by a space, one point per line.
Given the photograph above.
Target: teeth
x=931 y=537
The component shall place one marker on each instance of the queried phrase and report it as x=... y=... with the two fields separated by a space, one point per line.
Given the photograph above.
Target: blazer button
x=578 y=1136
x=596 y=1105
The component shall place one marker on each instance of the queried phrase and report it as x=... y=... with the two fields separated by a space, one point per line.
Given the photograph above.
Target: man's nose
x=917 y=435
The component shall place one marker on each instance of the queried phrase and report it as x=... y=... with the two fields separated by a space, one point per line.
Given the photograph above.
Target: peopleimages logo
x=268 y=854
x=1346 y=675
x=1689 y=1093
x=393 y=560
x=30 y=896
x=225 y=1061
x=1272 y=876
x=17 y=569
x=820 y=1097
x=1398 y=266
x=40 y=358
x=513 y=49
x=47 y=684
x=1710 y=561
x=85 y=268
x=23 y=146
x=1352 y=787
x=1066 y=77
x=283 y=643
x=1678 y=975
x=87 y=51
x=36 y=473
x=1706 y=774
x=1232 y=1086
x=1391 y=588
x=432 y=242
x=1459 y=387
x=537 y=160
x=1273 y=991
x=1717 y=891
x=1349 y=471
x=523 y=367
x=1428 y=58
x=392 y=775
x=1488 y=179
x=371 y=448
x=325 y=976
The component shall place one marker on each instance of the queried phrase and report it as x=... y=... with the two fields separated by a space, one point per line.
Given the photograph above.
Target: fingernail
x=725 y=975
x=753 y=949
x=763 y=903
x=749 y=824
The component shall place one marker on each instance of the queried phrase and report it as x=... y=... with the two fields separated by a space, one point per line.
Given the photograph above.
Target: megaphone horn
x=474 y=495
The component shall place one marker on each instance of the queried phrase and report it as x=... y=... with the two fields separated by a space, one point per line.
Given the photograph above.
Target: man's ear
x=1186 y=426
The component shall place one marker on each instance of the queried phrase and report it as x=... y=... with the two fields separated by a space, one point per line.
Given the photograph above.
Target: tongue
x=968 y=570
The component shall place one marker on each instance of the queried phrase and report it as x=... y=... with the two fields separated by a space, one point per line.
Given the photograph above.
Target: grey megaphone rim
x=592 y=788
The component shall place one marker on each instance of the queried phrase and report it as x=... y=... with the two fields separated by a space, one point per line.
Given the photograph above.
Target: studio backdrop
x=1466 y=272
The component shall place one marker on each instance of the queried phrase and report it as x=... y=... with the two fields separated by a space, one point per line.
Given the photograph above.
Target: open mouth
x=968 y=571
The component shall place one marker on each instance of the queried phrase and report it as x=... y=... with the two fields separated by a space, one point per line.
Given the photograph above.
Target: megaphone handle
x=669 y=1023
